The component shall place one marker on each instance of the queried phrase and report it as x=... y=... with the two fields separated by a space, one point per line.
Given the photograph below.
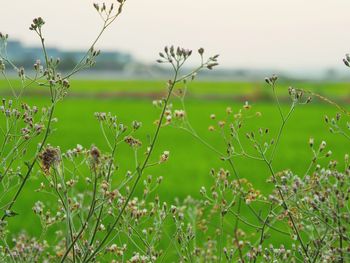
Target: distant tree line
x=24 y=56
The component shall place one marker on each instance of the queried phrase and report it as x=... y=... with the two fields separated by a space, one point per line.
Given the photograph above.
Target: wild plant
x=92 y=211
x=310 y=210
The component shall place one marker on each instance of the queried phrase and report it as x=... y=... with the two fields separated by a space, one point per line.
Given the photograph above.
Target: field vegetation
x=170 y=171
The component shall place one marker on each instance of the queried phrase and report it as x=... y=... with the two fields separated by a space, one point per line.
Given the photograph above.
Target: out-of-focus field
x=190 y=161
x=221 y=89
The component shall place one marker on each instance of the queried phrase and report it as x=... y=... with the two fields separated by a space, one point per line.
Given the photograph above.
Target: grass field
x=190 y=161
x=255 y=90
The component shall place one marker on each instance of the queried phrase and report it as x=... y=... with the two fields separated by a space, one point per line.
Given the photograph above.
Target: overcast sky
x=282 y=34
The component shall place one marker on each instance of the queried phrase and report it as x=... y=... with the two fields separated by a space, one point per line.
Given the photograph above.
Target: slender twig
x=340 y=231
x=139 y=169
x=286 y=208
x=90 y=214
x=235 y=231
x=284 y=121
x=31 y=166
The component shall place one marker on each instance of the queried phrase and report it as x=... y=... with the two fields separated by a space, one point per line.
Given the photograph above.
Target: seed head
x=180 y=114
x=347 y=56
x=311 y=142
x=49 y=157
x=37 y=24
x=136 y=125
x=211 y=128
x=322 y=145
x=271 y=80
x=164 y=157
x=210 y=66
x=346 y=62
x=132 y=141
x=95 y=154
x=246 y=105
x=201 y=51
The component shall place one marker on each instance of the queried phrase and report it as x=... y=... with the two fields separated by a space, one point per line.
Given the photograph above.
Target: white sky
x=282 y=34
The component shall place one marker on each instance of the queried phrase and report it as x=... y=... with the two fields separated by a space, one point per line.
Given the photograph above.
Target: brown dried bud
x=132 y=141
x=211 y=65
x=49 y=157
x=95 y=154
x=201 y=51
x=347 y=56
x=97 y=7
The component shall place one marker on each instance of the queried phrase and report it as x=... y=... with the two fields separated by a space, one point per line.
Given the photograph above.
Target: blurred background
x=295 y=38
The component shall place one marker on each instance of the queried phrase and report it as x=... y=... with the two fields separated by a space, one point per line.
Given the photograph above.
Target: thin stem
x=236 y=231
x=284 y=121
x=139 y=169
x=286 y=208
x=90 y=214
x=277 y=101
x=31 y=166
x=340 y=231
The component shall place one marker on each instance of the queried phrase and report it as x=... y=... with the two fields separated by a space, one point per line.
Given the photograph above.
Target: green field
x=190 y=161
x=201 y=89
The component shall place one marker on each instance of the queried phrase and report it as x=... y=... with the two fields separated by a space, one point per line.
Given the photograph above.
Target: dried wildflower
x=329 y=153
x=65 y=83
x=119 y=251
x=311 y=142
x=180 y=114
x=37 y=23
x=221 y=124
x=201 y=51
x=157 y=103
x=71 y=183
x=136 y=125
x=246 y=106
x=38 y=208
x=271 y=80
x=132 y=141
x=322 y=146
x=95 y=154
x=3 y=37
x=21 y=73
x=168 y=119
x=49 y=157
x=164 y=157
x=210 y=66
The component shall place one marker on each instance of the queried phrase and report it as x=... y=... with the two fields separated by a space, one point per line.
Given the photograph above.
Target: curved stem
x=31 y=166
x=139 y=169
